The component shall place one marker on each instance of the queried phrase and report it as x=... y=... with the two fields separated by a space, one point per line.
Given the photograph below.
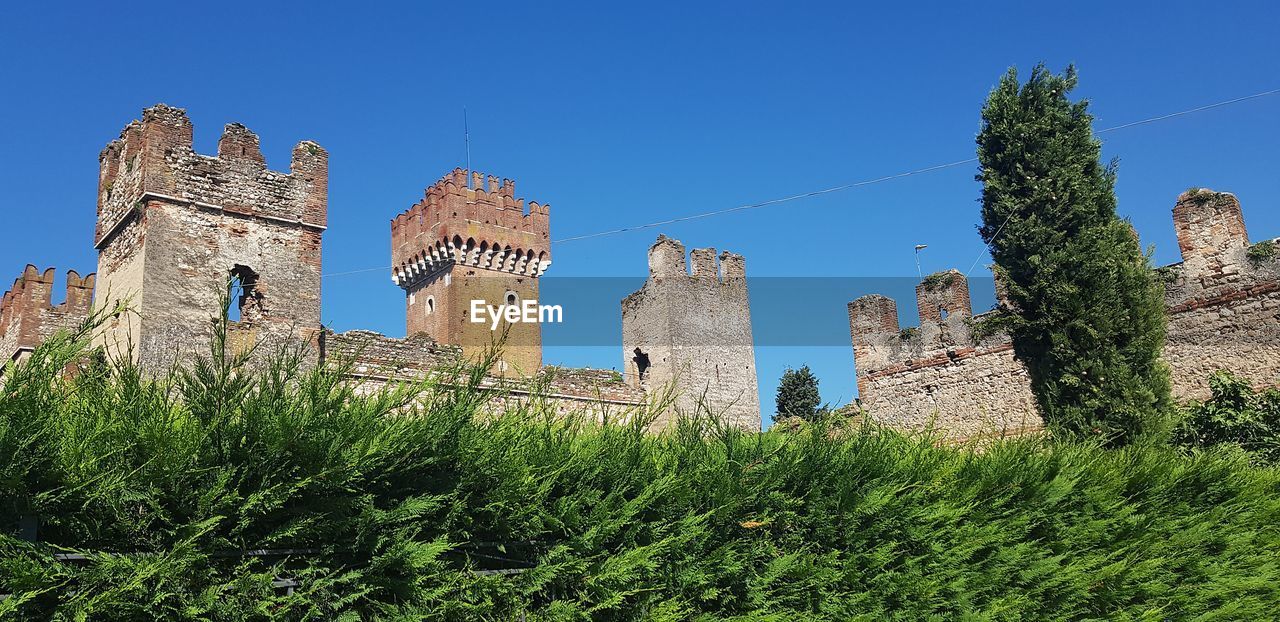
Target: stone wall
x=174 y=226
x=374 y=361
x=1223 y=298
x=941 y=374
x=28 y=317
x=691 y=330
x=1223 y=303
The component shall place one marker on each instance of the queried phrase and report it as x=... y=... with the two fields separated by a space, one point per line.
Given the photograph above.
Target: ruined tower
x=941 y=373
x=469 y=239
x=693 y=330
x=1211 y=234
x=174 y=226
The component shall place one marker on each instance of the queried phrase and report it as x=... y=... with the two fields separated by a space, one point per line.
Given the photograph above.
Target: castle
x=1222 y=303
x=174 y=227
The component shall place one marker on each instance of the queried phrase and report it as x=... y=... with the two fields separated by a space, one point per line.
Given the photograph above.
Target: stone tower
x=469 y=239
x=174 y=226
x=693 y=331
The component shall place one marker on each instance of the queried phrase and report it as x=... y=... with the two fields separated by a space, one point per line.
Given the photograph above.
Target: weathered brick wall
x=174 y=225
x=940 y=374
x=28 y=317
x=694 y=331
x=1223 y=303
x=375 y=360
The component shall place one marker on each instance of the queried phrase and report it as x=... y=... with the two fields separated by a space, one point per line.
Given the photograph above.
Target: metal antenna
x=466 y=138
x=919 y=247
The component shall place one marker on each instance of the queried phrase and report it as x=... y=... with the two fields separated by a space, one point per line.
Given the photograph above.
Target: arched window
x=431 y=305
x=512 y=298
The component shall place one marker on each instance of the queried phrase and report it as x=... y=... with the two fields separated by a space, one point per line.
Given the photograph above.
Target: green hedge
x=397 y=506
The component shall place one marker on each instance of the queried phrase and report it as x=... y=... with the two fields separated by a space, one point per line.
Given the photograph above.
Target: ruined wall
x=174 y=225
x=940 y=374
x=472 y=239
x=1222 y=300
x=374 y=361
x=28 y=317
x=692 y=329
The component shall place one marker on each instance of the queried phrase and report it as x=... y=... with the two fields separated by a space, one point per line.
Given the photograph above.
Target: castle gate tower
x=174 y=226
x=468 y=240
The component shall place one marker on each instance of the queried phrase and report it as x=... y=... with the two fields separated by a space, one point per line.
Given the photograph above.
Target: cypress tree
x=798 y=395
x=1083 y=307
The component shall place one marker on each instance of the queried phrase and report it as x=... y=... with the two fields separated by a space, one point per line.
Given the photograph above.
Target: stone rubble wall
x=1223 y=303
x=374 y=361
x=694 y=329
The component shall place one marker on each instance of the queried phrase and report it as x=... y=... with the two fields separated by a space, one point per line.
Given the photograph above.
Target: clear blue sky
x=619 y=115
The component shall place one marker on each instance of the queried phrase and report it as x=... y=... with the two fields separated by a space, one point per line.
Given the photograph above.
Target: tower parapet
x=153 y=159
x=942 y=372
x=175 y=226
x=690 y=327
x=28 y=316
x=477 y=222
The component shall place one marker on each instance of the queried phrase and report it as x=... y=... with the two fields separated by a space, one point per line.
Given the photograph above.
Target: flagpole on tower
x=466 y=138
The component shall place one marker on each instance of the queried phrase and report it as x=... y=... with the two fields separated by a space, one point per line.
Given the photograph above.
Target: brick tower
x=470 y=239
x=28 y=317
x=174 y=226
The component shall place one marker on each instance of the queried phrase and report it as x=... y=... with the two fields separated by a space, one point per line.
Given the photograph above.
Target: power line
x=865 y=182
x=794 y=197
x=892 y=177
x=1121 y=127
x=361 y=271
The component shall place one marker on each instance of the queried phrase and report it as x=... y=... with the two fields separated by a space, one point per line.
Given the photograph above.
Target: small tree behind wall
x=798 y=395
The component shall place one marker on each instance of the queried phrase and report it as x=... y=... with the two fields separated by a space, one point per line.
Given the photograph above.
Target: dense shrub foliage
x=1235 y=415
x=1086 y=312
x=392 y=507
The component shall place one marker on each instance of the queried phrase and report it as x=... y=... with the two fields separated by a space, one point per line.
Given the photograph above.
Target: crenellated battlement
x=690 y=325
x=28 y=315
x=667 y=260
x=945 y=334
x=1221 y=303
x=153 y=159
x=1218 y=260
x=474 y=220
